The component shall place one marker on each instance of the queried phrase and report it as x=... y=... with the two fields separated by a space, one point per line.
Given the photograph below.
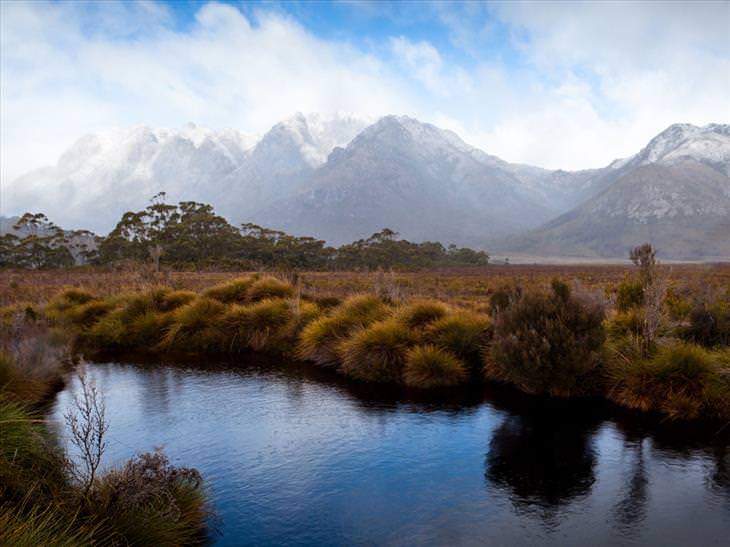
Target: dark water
x=296 y=456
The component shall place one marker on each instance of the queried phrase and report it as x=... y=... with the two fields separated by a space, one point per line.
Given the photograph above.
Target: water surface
x=297 y=456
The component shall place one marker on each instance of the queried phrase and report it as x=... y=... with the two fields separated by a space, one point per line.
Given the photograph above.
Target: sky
x=555 y=84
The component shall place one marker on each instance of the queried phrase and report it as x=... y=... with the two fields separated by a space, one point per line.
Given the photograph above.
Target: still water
x=299 y=456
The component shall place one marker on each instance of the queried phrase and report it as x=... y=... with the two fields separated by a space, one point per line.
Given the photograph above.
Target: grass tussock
x=258 y=326
x=319 y=341
x=430 y=366
x=269 y=287
x=233 y=291
x=377 y=353
x=681 y=380
x=29 y=525
x=464 y=334
x=420 y=314
x=548 y=343
x=196 y=327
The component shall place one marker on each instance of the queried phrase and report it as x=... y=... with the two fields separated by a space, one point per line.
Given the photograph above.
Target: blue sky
x=555 y=84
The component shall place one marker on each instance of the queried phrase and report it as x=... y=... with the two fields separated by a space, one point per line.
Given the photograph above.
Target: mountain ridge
x=343 y=177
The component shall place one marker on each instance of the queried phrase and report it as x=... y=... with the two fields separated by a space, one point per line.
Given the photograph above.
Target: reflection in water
x=542 y=462
x=299 y=455
x=630 y=510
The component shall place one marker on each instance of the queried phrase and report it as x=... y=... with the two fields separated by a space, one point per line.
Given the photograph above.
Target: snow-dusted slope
x=103 y=175
x=675 y=193
x=415 y=178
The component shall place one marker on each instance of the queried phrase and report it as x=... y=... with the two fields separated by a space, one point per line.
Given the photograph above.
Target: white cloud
x=585 y=82
x=59 y=81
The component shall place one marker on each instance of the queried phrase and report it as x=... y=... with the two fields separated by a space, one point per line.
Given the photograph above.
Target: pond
x=294 y=455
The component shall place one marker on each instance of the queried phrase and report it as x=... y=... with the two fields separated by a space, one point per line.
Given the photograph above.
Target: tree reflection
x=630 y=510
x=542 y=462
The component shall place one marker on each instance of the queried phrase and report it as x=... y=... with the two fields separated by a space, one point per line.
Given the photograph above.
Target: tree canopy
x=192 y=235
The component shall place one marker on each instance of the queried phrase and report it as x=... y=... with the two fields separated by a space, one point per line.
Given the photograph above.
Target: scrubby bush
x=683 y=381
x=196 y=327
x=320 y=339
x=629 y=294
x=151 y=502
x=430 y=366
x=464 y=334
x=709 y=324
x=419 y=314
x=503 y=297
x=627 y=323
x=377 y=353
x=548 y=343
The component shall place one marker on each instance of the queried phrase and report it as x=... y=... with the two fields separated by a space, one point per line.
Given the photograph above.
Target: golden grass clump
x=464 y=334
x=196 y=327
x=429 y=366
x=681 y=380
x=421 y=313
x=377 y=353
x=269 y=287
x=235 y=290
x=320 y=339
x=256 y=326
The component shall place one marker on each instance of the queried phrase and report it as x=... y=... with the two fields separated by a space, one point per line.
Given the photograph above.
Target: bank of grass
x=555 y=341
x=146 y=502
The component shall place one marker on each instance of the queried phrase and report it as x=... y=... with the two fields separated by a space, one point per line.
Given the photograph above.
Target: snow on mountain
x=342 y=177
x=709 y=144
x=417 y=179
x=105 y=174
x=675 y=193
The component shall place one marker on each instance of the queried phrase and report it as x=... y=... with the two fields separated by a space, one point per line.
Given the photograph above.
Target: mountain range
x=342 y=177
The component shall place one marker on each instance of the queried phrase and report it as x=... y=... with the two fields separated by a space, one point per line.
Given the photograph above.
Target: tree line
x=191 y=235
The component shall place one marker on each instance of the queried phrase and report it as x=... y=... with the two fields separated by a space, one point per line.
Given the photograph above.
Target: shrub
x=503 y=297
x=320 y=339
x=709 y=324
x=417 y=315
x=464 y=334
x=235 y=290
x=548 y=343
x=683 y=381
x=269 y=287
x=256 y=326
x=377 y=353
x=627 y=323
x=629 y=294
x=151 y=502
x=196 y=327
x=430 y=366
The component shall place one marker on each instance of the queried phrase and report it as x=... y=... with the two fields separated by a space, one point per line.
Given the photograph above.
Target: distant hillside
x=675 y=193
x=342 y=178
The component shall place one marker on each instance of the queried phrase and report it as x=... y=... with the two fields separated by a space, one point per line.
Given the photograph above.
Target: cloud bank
x=558 y=85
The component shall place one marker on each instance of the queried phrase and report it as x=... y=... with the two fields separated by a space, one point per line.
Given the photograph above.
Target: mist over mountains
x=341 y=178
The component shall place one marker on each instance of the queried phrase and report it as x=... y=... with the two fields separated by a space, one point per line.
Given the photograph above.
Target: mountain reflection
x=541 y=462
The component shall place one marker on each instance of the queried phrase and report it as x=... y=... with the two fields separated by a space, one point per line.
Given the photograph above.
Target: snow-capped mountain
x=674 y=193
x=422 y=181
x=342 y=178
x=103 y=175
